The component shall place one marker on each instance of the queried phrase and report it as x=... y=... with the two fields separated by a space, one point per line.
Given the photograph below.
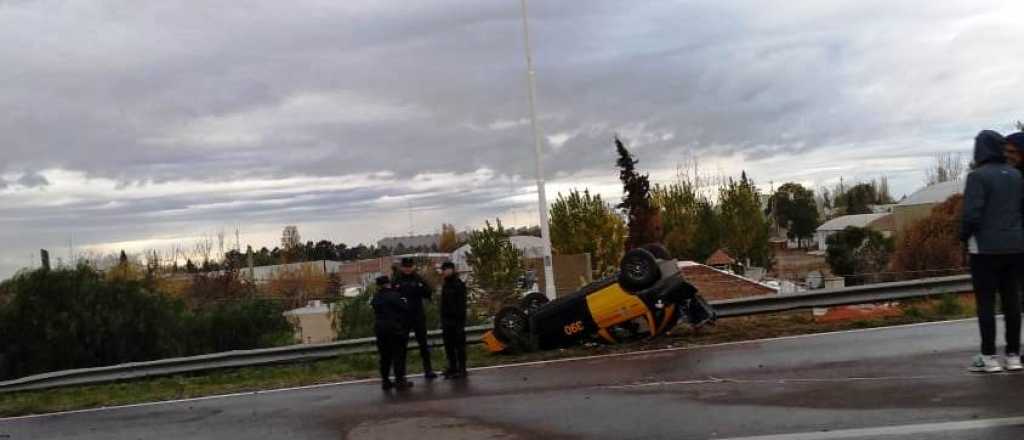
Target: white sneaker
x=1013 y=362
x=986 y=364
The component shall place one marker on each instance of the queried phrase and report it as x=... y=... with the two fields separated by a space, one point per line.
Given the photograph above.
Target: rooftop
x=936 y=193
x=859 y=221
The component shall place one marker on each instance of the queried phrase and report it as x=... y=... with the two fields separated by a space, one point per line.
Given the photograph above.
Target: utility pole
x=542 y=201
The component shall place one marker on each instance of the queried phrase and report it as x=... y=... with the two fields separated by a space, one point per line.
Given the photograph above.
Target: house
x=720 y=260
x=880 y=222
x=532 y=247
x=314 y=324
x=417 y=241
x=715 y=284
x=919 y=205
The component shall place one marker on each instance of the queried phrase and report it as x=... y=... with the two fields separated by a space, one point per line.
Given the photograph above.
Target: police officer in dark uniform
x=392 y=330
x=453 y=321
x=415 y=290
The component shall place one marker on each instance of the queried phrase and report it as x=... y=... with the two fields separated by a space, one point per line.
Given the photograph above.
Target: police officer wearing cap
x=392 y=330
x=453 y=321
x=415 y=290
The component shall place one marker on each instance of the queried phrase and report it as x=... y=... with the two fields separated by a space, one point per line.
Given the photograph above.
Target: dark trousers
x=992 y=274
x=391 y=348
x=419 y=327
x=455 y=346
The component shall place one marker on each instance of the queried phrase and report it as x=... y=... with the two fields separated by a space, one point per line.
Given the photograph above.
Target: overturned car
x=647 y=297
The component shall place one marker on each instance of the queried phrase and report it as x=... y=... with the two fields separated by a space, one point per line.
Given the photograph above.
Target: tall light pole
x=542 y=199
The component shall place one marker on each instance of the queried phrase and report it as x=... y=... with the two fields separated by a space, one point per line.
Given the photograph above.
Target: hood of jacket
x=988 y=148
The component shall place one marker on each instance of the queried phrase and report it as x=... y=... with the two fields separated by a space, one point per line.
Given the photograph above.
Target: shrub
x=930 y=247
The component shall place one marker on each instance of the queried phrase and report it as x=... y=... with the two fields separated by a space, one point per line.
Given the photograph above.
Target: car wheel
x=530 y=303
x=659 y=251
x=512 y=327
x=638 y=270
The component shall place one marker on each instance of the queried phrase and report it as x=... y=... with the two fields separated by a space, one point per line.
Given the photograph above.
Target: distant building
x=314 y=324
x=532 y=247
x=919 y=205
x=880 y=222
x=716 y=284
x=721 y=260
x=416 y=241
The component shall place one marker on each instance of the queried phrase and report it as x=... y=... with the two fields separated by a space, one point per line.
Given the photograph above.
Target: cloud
x=153 y=120
x=32 y=180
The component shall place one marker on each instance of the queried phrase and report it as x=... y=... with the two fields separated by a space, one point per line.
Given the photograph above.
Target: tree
x=644 y=222
x=297 y=284
x=449 y=240
x=948 y=167
x=291 y=243
x=708 y=238
x=497 y=266
x=745 y=230
x=584 y=223
x=860 y=254
x=857 y=200
x=930 y=247
x=795 y=209
x=679 y=205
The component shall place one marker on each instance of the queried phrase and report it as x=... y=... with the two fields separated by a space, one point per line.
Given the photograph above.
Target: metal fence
x=875 y=293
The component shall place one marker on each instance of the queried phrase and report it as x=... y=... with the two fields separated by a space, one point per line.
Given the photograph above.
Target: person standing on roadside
x=391 y=327
x=991 y=229
x=453 y=321
x=415 y=290
x=1015 y=158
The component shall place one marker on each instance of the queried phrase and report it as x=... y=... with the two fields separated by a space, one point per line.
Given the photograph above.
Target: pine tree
x=644 y=222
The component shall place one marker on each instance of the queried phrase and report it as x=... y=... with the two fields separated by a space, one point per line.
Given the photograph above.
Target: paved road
x=900 y=383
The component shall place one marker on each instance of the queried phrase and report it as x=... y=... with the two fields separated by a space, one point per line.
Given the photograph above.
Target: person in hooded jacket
x=391 y=327
x=453 y=321
x=991 y=229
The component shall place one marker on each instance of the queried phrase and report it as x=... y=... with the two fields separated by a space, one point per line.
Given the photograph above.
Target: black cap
x=408 y=262
x=1017 y=139
x=383 y=281
x=447 y=265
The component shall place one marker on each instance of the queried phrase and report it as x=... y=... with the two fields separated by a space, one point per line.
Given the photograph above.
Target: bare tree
x=203 y=248
x=948 y=167
x=220 y=244
x=290 y=238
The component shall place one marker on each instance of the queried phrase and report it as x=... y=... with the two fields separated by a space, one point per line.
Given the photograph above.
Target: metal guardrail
x=874 y=293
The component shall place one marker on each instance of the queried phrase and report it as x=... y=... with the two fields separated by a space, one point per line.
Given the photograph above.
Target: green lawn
x=364 y=366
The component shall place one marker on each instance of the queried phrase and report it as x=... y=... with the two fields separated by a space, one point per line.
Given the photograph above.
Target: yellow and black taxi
x=648 y=296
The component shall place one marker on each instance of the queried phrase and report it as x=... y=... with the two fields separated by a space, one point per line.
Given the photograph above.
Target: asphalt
x=898 y=383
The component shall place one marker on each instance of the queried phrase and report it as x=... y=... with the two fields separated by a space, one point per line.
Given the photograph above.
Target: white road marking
x=923 y=428
x=493 y=367
x=713 y=380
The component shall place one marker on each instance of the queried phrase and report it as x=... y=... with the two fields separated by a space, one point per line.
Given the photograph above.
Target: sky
x=147 y=125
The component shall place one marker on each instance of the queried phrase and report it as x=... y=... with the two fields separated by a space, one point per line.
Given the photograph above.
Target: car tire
x=638 y=270
x=512 y=327
x=530 y=303
x=659 y=251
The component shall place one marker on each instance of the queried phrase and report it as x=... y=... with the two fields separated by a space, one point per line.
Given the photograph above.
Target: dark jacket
x=414 y=289
x=992 y=200
x=453 y=302
x=391 y=312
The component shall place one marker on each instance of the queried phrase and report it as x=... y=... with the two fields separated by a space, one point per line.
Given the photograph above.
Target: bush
x=66 y=319
x=239 y=325
x=931 y=246
x=77 y=318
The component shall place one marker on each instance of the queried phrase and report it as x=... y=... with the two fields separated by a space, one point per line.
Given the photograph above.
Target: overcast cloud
x=144 y=124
